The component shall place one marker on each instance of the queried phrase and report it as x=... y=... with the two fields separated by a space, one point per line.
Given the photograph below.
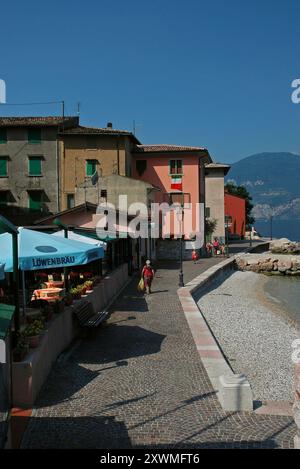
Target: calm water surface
x=285 y=291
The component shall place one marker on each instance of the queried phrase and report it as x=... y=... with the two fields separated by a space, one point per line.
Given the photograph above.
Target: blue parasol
x=43 y=251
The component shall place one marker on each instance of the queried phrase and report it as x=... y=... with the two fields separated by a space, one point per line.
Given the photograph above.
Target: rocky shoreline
x=283 y=258
x=269 y=264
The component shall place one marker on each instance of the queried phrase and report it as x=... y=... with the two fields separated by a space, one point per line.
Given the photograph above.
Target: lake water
x=280 y=228
x=285 y=292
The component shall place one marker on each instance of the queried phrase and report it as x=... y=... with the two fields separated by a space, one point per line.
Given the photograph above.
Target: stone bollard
x=235 y=393
x=296 y=407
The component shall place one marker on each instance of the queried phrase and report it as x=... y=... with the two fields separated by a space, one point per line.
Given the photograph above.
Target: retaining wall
x=233 y=390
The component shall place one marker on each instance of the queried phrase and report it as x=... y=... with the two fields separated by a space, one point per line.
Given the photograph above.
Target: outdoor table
x=49 y=294
x=54 y=284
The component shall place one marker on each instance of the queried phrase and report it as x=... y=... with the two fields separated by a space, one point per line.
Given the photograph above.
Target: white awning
x=81 y=238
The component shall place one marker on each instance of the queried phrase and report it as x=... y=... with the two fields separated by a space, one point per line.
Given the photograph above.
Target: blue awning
x=43 y=251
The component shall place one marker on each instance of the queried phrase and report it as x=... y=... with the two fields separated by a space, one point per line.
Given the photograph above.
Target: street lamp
x=227 y=218
x=7 y=227
x=61 y=225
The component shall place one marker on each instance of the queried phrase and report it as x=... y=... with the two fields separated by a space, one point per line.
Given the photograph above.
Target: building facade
x=29 y=161
x=214 y=198
x=235 y=213
x=179 y=173
x=87 y=152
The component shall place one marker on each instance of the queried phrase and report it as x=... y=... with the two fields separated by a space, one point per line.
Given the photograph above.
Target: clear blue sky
x=215 y=74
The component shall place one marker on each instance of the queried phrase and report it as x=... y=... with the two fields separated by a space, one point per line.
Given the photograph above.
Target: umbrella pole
x=24 y=292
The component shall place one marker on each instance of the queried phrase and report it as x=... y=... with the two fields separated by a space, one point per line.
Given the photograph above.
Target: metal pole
x=181 y=283
x=24 y=293
x=66 y=272
x=16 y=281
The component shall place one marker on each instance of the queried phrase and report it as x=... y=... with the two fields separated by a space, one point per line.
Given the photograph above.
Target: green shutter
x=35 y=166
x=172 y=166
x=34 y=135
x=3 y=166
x=90 y=167
x=179 y=166
x=35 y=200
x=3 y=197
x=3 y=136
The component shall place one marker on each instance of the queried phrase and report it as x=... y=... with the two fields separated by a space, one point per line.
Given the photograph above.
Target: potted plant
x=75 y=293
x=32 y=333
x=89 y=286
x=21 y=349
x=82 y=289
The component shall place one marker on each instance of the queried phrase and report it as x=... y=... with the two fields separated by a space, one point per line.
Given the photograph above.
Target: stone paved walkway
x=138 y=382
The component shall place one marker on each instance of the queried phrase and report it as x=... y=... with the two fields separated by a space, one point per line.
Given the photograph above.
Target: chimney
x=109 y=125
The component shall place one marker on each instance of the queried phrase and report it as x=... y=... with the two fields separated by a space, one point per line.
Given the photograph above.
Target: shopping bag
x=141 y=285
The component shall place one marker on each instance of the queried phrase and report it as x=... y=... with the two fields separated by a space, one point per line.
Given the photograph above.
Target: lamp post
x=226 y=234
x=58 y=223
x=7 y=227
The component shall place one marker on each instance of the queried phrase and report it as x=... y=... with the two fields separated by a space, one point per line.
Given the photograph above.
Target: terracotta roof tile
x=29 y=121
x=166 y=148
x=82 y=130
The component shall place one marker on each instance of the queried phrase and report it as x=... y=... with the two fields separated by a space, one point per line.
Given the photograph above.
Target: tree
x=210 y=226
x=241 y=191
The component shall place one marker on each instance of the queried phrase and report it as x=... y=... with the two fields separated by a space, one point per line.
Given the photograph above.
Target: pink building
x=175 y=170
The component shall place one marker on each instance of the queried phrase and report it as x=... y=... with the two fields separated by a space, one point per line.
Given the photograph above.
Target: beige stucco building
x=85 y=151
x=214 y=196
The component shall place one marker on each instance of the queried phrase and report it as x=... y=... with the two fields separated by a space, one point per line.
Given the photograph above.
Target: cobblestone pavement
x=138 y=382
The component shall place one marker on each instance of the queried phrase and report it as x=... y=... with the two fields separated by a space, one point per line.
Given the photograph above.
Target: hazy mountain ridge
x=273 y=180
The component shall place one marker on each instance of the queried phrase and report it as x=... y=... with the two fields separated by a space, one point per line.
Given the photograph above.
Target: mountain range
x=273 y=181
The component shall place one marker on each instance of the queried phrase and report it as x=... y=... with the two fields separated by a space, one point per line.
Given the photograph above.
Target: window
x=175 y=166
x=141 y=166
x=35 y=165
x=70 y=201
x=103 y=193
x=3 y=136
x=35 y=200
x=3 y=166
x=207 y=212
x=4 y=196
x=90 y=167
x=34 y=135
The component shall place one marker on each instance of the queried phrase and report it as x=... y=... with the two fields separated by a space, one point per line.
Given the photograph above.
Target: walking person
x=216 y=246
x=148 y=274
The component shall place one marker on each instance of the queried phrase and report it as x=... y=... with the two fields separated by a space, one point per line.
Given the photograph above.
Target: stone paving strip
x=139 y=382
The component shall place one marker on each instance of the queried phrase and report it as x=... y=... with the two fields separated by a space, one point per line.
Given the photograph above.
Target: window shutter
x=90 y=167
x=35 y=166
x=3 y=166
x=3 y=136
x=34 y=135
